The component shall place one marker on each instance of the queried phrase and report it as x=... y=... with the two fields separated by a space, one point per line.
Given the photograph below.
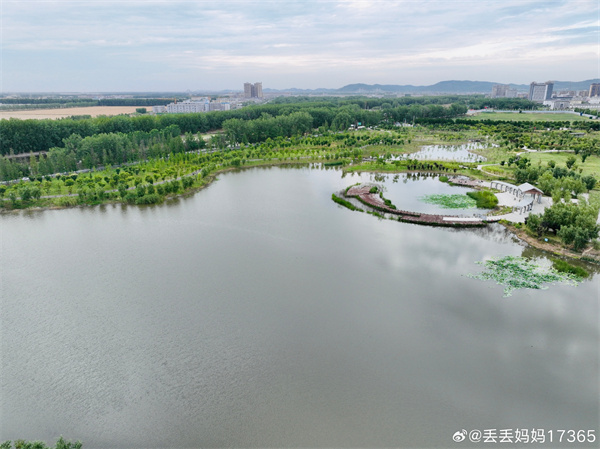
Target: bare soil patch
x=94 y=111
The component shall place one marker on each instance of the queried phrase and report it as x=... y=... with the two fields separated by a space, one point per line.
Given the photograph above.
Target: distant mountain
x=574 y=85
x=443 y=87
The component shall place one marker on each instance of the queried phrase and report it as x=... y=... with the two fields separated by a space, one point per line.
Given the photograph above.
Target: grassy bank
x=345 y=203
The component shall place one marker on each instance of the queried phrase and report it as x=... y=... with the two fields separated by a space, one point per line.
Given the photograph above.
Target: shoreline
x=592 y=256
x=558 y=250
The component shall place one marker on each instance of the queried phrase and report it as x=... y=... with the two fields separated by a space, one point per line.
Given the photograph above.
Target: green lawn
x=590 y=167
x=515 y=116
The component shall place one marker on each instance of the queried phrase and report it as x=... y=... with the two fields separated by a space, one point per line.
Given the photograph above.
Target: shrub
x=373 y=190
x=122 y=190
x=485 y=199
x=175 y=186
x=589 y=181
x=66 y=201
x=152 y=198
x=26 y=193
x=130 y=198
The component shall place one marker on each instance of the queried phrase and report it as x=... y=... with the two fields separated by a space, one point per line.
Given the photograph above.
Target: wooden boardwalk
x=362 y=194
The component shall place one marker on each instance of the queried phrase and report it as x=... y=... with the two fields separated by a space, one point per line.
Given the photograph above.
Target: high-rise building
x=499 y=90
x=253 y=90
x=503 y=91
x=594 y=90
x=540 y=92
x=258 y=90
x=247 y=90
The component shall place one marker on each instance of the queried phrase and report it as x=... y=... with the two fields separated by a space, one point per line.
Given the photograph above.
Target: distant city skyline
x=99 y=46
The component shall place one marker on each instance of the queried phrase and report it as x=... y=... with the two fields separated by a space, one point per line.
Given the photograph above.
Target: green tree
x=36 y=192
x=13 y=197
x=122 y=188
x=589 y=181
x=25 y=193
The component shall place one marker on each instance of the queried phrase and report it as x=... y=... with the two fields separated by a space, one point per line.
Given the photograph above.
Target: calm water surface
x=460 y=153
x=258 y=313
x=407 y=191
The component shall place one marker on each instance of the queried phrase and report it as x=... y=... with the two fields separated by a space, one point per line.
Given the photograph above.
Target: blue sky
x=146 y=45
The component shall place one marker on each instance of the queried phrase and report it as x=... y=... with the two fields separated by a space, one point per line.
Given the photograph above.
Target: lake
x=459 y=153
x=259 y=313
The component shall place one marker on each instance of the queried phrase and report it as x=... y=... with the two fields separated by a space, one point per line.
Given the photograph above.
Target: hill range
x=443 y=87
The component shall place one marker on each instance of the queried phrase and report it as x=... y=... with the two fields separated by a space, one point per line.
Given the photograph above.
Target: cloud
x=267 y=38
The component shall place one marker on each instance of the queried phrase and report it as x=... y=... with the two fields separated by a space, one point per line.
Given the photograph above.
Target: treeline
x=136 y=101
x=19 y=107
x=559 y=182
x=267 y=126
x=574 y=223
x=101 y=150
x=512 y=126
x=24 y=136
x=42 y=103
x=594 y=112
x=470 y=101
x=513 y=104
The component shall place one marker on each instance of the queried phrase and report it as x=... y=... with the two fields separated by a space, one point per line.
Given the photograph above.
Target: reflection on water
x=259 y=313
x=407 y=190
x=460 y=153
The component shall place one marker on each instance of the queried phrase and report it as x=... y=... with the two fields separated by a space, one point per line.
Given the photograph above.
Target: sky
x=145 y=45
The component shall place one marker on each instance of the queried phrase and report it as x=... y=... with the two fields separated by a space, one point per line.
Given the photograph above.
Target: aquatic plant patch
x=484 y=198
x=515 y=272
x=449 y=201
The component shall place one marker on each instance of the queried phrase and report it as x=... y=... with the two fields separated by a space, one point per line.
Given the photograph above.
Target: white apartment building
x=194 y=106
x=540 y=92
x=187 y=106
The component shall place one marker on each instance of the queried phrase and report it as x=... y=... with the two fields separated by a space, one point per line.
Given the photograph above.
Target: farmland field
x=94 y=111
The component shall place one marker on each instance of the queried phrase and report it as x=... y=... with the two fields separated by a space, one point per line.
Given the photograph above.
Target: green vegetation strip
x=343 y=202
x=24 y=444
x=564 y=267
x=453 y=201
x=484 y=199
x=518 y=272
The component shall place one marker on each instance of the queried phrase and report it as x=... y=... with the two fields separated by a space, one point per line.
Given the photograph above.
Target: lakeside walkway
x=513 y=197
x=363 y=194
x=521 y=203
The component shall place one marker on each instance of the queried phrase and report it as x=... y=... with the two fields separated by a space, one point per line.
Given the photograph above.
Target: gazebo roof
x=528 y=188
